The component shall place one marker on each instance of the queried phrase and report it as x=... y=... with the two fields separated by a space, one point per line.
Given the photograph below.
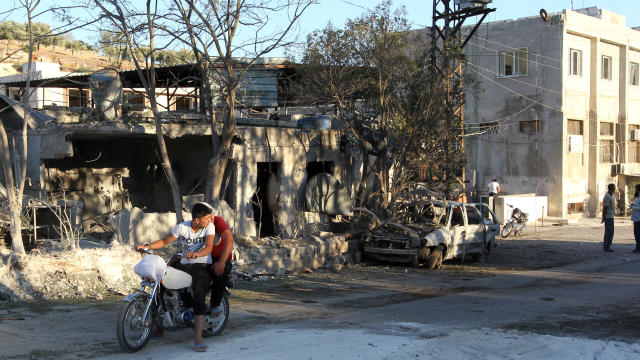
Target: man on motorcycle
x=196 y=238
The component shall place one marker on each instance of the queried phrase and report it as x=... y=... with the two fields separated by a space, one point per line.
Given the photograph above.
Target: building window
x=575 y=208
x=606 y=129
x=77 y=97
x=488 y=127
x=606 y=151
x=606 y=67
x=513 y=63
x=575 y=131
x=575 y=127
x=134 y=100
x=633 y=74
x=184 y=103
x=529 y=126
x=634 y=149
x=576 y=62
x=634 y=157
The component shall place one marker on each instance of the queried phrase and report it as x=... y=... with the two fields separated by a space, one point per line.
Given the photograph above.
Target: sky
x=419 y=12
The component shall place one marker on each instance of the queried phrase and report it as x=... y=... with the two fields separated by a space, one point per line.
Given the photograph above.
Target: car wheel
x=479 y=257
x=423 y=255
x=434 y=260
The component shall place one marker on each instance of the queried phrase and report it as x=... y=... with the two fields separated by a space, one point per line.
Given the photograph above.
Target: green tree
x=41 y=33
x=373 y=70
x=113 y=44
x=364 y=69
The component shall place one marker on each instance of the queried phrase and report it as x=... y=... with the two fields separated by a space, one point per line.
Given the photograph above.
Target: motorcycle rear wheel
x=506 y=229
x=214 y=325
x=133 y=331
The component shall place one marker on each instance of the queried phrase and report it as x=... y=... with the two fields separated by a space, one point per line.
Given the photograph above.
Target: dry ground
x=86 y=328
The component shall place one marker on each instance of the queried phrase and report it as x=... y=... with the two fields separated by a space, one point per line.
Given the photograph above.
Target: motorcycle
x=516 y=224
x=164 y=300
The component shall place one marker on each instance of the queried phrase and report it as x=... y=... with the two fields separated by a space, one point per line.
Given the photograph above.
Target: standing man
x=493 y=189
x=635 y=217
x=607 y=217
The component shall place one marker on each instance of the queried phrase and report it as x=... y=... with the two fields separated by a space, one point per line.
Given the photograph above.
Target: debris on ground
x=81 y=273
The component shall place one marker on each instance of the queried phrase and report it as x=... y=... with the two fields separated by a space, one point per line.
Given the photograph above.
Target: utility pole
x=446 y=50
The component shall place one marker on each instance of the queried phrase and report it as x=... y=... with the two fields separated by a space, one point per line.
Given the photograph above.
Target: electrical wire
x=528 y=60
x=511 y=78
x=512 y=48
x=515 y=92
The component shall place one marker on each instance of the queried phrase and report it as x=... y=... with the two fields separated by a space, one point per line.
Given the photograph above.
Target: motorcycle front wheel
x=506 y=229
x=215 y=325
x=133 y=331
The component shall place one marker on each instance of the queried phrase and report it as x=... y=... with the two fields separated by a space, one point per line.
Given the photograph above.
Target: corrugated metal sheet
x=258 y=88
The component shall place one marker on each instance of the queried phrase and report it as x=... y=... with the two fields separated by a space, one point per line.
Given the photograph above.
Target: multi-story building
x=554 y=108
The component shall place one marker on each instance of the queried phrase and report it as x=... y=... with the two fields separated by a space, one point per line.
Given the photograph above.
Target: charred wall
x=112 y=173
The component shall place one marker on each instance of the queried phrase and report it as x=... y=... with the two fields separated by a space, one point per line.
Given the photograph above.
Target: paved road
x=585 y=309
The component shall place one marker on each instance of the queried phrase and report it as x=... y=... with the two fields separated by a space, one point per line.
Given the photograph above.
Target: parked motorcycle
x=164 y=300
x=516 y=224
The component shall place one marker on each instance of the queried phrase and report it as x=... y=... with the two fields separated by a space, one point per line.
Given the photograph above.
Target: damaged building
x=287 y=173
x=555 y=108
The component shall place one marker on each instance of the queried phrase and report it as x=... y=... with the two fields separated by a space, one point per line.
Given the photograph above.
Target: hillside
x=13 y=56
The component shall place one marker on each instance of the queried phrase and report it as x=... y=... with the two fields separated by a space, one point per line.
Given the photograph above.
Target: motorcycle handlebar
x=142 y=250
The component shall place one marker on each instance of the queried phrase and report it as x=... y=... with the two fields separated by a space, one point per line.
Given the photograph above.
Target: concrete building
x=555 y=108
x=111 y=165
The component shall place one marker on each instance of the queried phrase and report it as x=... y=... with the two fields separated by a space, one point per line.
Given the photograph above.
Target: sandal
x=200 y=348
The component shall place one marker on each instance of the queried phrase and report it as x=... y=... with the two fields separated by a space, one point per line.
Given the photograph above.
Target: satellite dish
x=543 y=15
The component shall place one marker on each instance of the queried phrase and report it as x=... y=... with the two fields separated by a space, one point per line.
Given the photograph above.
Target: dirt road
x=554 y=281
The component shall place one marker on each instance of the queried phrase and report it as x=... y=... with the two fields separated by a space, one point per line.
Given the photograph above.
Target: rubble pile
x=72 y=274
x=93 y=273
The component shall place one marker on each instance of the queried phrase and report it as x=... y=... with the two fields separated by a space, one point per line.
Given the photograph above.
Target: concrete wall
x=292 y=149
x=534 y=206
x=95 y=164
x=610 y=101
x=565 y=177
x=522 y=162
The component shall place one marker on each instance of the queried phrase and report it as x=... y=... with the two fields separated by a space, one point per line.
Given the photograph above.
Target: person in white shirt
x=493 y=188
x=196 y=237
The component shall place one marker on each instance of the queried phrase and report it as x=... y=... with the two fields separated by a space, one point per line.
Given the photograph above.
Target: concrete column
x=623 y=80
x=593 y=133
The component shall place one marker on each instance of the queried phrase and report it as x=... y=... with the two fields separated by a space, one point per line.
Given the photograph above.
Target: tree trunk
x=221 y=159
x=362 y=184
x=15 y=228
x=211 y=112
x=168 y=170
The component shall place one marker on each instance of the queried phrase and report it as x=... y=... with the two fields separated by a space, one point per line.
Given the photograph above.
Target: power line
x=512 y=48
x=528 y=60
x=512 y=78
x=517 y=93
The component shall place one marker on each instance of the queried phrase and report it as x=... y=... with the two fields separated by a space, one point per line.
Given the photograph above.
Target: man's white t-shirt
x=192 y=241
x=493 y=187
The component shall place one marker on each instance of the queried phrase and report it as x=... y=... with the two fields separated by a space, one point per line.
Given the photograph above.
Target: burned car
x=448 y=230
